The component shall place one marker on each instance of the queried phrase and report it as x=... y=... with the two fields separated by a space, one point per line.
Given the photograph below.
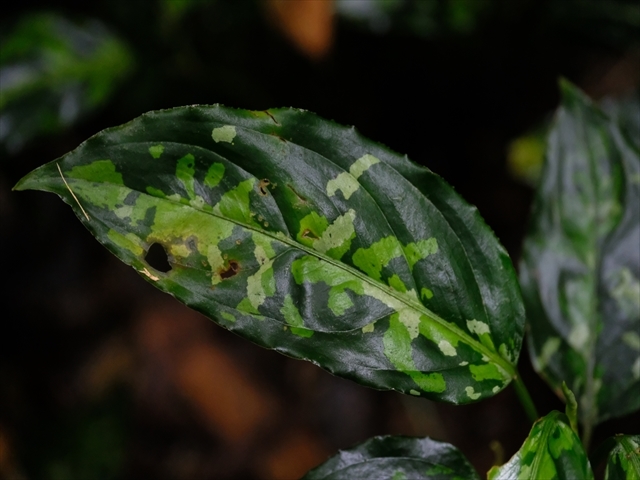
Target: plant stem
x=525 y=398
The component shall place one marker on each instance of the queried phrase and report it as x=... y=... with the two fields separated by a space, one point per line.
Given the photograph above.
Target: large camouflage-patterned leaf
x=581 y=263
x=551 y=451
x=624 y=458
x=396 y=458
x=307 y=238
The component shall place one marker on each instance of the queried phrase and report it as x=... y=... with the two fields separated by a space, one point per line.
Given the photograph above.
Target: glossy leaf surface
x=551 y=451
x=396 y=458
x=624 y=459
x=581 y=262
x=305 y=237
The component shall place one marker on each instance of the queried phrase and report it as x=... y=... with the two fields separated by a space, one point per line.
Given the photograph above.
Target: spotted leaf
x=623 y=462
x=551 y=451
x=580 y=273
x=305 y=237
x=397 y=458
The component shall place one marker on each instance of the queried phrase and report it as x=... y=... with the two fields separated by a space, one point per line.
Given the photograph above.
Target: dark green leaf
x=551 y=451
x=52 y=72
x=396 y=458
x=307 y=238
x=624 y=459
x=581 y=263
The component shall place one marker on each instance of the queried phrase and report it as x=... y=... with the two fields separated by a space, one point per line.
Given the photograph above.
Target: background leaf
x=397 y=458
x=624 y=459
x=581 y=263
x=305 y=237
x=552 y=450
x=52 y=72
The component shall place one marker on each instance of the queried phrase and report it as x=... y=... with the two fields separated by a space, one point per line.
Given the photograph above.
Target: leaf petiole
x=525 y=399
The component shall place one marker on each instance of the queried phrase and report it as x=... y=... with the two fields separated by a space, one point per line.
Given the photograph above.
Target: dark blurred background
x=104 y=377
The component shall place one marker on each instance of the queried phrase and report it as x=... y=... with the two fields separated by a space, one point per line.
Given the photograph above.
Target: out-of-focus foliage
x=52 y=72
x=581 y=264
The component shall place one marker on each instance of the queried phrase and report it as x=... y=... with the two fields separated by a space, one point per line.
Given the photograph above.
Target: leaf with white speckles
x=396 y=458
x=552 y=451
x=305 y=237
x=580 y=273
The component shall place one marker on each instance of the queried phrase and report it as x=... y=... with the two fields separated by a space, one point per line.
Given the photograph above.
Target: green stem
x=525 y=398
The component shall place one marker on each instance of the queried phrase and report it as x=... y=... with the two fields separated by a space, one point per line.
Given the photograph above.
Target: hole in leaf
x=157 y=258
x=309 y=234
x=262 y=186
x=231 y=270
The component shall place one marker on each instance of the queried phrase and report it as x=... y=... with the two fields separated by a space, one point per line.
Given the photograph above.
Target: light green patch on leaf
x=488 y=371
x=426 y=293
x=228 y=316
x=343 y=182
x=262 y=283
x=414 y=392
x=369 y=327
x=439 y=469
x=156 y=150
x=397 y=348
x=129 y=241
x=347 y=183
x=104 y=170
x=156 y=192
x=336 y=239
x=214 y=175
x=471 y=393
x=362 y=164
x=416 y=251
x=396 y=283
x=632 y=339
x=294 y=319
x=399 y=476
x=481 y=329
x=313 y=270
x=579 y=336
x=246 y=307
x=224 y=134
x=371 y=260
x=185 y=169
x=312 y=226
x=447 y=349
x=234 y=204
x=627 y=291
x=549 y=349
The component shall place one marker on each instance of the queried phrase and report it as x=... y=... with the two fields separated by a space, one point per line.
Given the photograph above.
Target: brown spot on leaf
x=309 y=234
x=272 y=117
x=300 y=197
x=262 y=186
x=278 y=137
x=232 y=269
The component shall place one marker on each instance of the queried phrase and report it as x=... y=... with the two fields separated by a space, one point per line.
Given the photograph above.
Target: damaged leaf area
x=305 y=237
x=623 y=462
x=551 y=451
x=580 y=273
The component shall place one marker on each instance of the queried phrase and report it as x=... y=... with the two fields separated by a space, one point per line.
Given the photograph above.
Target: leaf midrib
x=454 y=329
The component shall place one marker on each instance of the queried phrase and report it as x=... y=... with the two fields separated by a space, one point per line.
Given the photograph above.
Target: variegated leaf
x=580 y=273
x=624 y=458
x=397 y=458
x=551 y=451
x=305 y=237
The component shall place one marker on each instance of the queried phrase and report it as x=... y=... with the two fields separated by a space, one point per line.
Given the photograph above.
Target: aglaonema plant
x=307 y=238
